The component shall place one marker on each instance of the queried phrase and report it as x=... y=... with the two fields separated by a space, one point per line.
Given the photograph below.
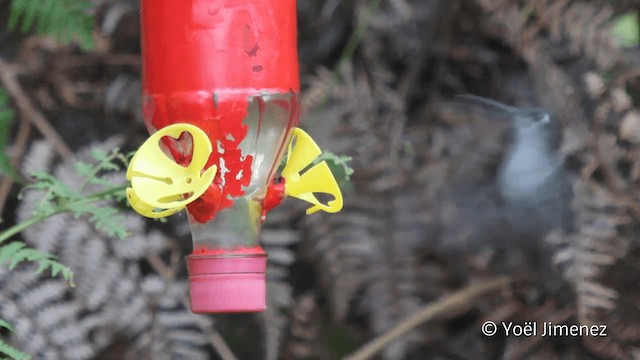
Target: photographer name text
x=546 y=329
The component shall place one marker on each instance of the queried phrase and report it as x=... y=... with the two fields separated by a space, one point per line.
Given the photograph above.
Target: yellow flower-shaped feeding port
x=317 y=179
x=161 y=187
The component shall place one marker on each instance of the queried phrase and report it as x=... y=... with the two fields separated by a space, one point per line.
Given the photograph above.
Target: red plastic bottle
x=229 y=67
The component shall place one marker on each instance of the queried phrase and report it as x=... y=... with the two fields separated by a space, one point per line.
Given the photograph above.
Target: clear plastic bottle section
x=235 y=228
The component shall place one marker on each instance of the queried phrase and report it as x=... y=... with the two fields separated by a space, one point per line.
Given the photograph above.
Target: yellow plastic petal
x=305 y=151
x=317 y=179
x=160 y=186
x=144 y=209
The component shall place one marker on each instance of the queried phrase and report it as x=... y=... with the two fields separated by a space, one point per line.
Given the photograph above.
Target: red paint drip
x=221 y=117
x=206 y=206
x=275 y=195
x=241 y=250
x=231 y=110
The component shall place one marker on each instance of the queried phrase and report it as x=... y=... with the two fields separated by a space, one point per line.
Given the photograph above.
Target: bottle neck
x=234 y=229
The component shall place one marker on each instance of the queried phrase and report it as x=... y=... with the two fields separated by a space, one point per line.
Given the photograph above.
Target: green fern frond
x=626 y=30
x=337 y=163
x=7 y=349
x=6 y=325
x=65 y=20
x=106 y=219
x=12 y=352
x=59 y=197
x=6 y=121
x=56 y=193
x=339 y=166
x=18 y=252
x=109 y=221
x=107 y=162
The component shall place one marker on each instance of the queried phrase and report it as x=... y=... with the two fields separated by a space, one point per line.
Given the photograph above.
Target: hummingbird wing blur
x=484 y=103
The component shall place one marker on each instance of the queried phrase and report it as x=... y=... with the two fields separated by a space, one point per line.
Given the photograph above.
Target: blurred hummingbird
x=533 y=185
x=532 y=181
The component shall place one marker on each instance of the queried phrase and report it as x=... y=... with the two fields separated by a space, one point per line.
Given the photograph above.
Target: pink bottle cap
x=227 y=283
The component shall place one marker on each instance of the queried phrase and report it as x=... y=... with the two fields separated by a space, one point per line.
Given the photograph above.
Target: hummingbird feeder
x=221 y=100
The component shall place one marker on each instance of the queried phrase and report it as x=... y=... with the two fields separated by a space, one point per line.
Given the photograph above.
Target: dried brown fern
x=114 y=297
x=361 y=251
x=305 y=329
x=565 y=43
x=385 y=105
x=278 y=238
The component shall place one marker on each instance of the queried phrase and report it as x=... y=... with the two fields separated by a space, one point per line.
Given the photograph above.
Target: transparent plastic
x=236 y=228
